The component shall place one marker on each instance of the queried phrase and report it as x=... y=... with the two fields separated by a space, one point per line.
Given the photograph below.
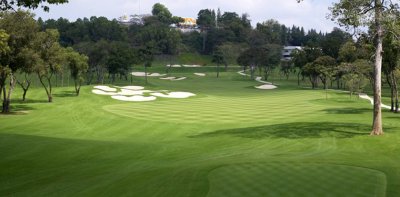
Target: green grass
x=229 y=140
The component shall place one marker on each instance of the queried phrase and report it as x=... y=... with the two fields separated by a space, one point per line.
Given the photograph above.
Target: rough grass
x=229 y=140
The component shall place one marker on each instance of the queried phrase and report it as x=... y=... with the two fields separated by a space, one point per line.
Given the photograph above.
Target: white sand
x=178 y=79
x=134 y=98
x=142 y=74
x=191 y=66
x=174 y=66
x=125 y=92
x=242 y=73
x=266 y=87
x=106 y=88
x=200 y=74
x=259 y=79
x=173 y=78
x=174 y=94
x=131 y=87
x=168 y=78
x=101 y=92
x=364 y=96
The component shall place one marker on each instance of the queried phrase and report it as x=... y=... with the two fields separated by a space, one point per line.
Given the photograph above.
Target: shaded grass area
x=229 y=140
x=296 y=130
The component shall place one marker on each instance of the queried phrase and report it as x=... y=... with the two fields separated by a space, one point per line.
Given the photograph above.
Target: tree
x=326 y=67
x=145 y=56
x=206 y=20
x=218 y=58
x=333 y=41
x=119 y=60
x=391 y=59
x=162 y=13
x=31 y=4
x=78 y=66
x=5 y=71
x=30 y=59
x=52 y=55
x=98 y=54
x=21 y=28
x=368 y=14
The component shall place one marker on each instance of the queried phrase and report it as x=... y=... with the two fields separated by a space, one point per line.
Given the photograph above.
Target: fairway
x=230 y=139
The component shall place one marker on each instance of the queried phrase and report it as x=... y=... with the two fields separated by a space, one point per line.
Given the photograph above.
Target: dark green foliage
x=31 y=4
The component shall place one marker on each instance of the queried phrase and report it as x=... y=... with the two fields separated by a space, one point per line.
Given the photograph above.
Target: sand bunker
x=143 y=74
x=173 y=78
x=191 y=66
x=101 y=92
x=200 y=74
x=131 y=87
x=266 y=87
x=106 y=88
x=259 y=79
x=134 y=98
x=174 y=66
x=174 y=94
x=364 y=96
x=125 y=92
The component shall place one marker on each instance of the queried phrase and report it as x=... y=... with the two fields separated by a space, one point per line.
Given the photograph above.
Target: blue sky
x=309 y=13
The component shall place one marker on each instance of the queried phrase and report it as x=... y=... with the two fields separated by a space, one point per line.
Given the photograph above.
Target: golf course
x=227 y=138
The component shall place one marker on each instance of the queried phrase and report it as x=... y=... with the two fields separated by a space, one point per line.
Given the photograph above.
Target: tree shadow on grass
x=27 y=101
x=347 y=110
x=65 y=94
x=19 y=110
x=297 y=130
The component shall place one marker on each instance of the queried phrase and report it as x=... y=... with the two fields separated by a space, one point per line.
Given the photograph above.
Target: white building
x=288 y=50
x=133 y=19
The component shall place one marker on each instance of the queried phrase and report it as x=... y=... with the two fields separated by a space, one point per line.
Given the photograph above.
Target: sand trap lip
x=131 y=87
x=101 y=92
x=365 y=96
x=200 y=74
x=173 y=78
x=266 y=87
x=174 y=95
x=106 y=88
x=134 y=98
x=143 y=74
x=191 y=66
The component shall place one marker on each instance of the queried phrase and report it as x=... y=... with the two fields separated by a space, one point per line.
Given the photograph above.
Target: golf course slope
x=230 y=139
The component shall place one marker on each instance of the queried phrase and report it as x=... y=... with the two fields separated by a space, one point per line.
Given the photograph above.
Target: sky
x=308 y=14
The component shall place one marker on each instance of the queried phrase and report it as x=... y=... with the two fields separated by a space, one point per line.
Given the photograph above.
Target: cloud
x=308 y=14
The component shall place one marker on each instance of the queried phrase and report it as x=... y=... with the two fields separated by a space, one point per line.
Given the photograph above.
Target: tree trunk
x=298 y=78
x=7 y=99
x=204 y=41
x=377 y=115
x=77 y=88
x=217 y=70
x=145 y=73
x=24 y=88
x=390 y=81
x=396 y=93
x=48 y=90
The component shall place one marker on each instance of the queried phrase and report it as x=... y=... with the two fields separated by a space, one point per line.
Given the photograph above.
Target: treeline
x=112 y=47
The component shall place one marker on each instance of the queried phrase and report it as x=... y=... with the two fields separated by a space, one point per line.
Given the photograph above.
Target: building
x=137 y=19
x=288 y=50
x=188 y=25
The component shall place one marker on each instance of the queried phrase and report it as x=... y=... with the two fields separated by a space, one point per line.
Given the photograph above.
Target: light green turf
x=229 y=140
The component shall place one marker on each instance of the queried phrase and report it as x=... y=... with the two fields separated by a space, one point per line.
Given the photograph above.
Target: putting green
x=217 y=109
x=295 y=179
